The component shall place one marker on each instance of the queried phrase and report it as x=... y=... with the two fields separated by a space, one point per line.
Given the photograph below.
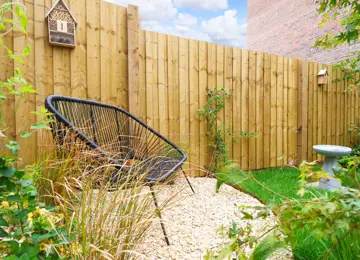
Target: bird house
x=323 y=77
x=61 y=25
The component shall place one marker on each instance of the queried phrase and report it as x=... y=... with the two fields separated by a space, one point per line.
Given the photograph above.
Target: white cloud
x=186 y=20
x=151 y=10
x=202 y=4
x=226 y=29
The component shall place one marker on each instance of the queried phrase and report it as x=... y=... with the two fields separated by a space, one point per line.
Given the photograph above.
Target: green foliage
x=348 y=11
x=28 y=229
x=216 y=102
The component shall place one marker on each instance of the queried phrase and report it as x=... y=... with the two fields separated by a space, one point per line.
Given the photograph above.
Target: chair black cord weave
x=118 y=136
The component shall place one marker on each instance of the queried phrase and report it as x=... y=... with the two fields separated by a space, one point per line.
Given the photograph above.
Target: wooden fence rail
x=163 y=80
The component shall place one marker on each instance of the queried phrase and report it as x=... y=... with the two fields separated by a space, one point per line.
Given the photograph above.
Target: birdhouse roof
x=66 y=7
x=322 y=72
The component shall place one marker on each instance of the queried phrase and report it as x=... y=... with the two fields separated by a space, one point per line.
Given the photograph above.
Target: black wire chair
x=118 y=136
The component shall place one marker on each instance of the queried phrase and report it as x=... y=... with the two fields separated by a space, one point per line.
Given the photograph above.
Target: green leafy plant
x=217 y=99
x=28 y=229
x=348 y=12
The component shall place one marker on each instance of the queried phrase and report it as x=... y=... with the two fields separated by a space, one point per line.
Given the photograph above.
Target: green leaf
x=7 y=171
x=3 y=222
x=21 y=214
x=37 y=238
x=13 y=147
x=39 y=126
x=24 y=256
x=25 y=183
x=2 y=27
x=15 y=197
x=25 y=134
x=26 y=51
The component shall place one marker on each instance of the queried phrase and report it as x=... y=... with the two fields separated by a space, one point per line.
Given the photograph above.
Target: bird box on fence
x=323 y=77
x=61 y=25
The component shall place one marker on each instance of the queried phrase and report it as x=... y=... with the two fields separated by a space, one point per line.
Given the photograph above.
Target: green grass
x=283 y=183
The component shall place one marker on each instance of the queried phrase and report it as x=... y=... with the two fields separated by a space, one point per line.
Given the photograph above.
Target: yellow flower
x=62 y=250
x=10 y=164
x=30 y=215
x=42 y=247
x=5 y=204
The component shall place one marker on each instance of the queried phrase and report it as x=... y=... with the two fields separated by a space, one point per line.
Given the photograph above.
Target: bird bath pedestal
x=331 y=153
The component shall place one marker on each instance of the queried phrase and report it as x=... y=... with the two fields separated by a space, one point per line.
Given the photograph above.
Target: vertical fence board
x=236 y=104
x=184 y=93
x=93 y=49
x=78 y=66
x=293 y=106
x=252 y=109
x=245 y=108
x=259 y=98
x=142 y=76
x=212 y=84
x=173 y=72
x=203 y=84
x=163 y=127
x=123 y=73
x=285 y=156
x=228 y=109
x=273 y=126
x=279 y=110
x=311 y=109
x=267 y=109
x=194 y=105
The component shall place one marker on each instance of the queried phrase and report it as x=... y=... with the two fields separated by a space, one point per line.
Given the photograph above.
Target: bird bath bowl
x=331 y=153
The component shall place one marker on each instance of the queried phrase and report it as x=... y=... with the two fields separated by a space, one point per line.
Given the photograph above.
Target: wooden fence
x=163 y=80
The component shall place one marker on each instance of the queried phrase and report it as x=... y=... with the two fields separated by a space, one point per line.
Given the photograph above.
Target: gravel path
x=191 y=220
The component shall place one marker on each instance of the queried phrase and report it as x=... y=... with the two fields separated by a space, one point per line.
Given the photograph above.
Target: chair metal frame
x=52 y=104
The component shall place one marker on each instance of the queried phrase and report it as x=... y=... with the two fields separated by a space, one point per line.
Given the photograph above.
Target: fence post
x=133 y=30
x=302 y=110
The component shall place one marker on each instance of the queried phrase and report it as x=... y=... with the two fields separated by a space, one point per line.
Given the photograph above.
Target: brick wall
x=289 y=28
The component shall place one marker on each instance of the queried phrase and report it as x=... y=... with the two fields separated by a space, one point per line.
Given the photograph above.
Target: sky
x=218 y=21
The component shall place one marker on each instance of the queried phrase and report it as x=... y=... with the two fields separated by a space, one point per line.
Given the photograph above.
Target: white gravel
x=193 y=219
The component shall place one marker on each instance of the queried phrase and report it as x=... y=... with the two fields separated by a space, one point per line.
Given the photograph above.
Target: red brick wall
x=289 y=28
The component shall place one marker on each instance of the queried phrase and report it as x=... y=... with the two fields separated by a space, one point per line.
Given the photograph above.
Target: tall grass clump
x=108 y=209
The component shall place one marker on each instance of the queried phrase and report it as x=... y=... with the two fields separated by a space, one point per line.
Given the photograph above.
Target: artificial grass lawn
x=284 y=181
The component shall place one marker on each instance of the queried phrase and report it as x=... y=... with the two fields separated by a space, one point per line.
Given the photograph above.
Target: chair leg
x=187 y=180
x=159 y=215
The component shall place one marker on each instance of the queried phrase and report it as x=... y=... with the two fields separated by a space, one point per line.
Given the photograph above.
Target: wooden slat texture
x=245 y=108
x=163 y=122
x=129 y=39
x=203 y=83
x=236 y=104
x=142 y=77
x=211 y=65
x=194 y=106
x=228 y=109
x=93 y=49
x=273 y=114
x=78 y=66
x=259 y=97
x=285 y=157
x=252 y=109
x=123 y=73
x=184 y=94
x=108 y=54
x=293 y=106
x=173 y=71
x=149 y=79
x=267 y=110
x=311 y=114
x=280 y=111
